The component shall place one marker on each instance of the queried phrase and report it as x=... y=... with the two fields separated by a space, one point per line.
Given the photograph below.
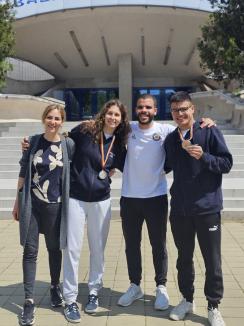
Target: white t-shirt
x=143 y=175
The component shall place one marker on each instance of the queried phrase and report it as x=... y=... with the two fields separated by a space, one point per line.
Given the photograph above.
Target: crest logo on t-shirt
x=156 y=137
x=133 y=136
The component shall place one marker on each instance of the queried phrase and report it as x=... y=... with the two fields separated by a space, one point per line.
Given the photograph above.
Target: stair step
x=233 y=213
x=232 y=132
x=227 y=213
x=6 y=213
x=233 y=193
x=10 y=153
x=10 y=140
x=238 y=158
x=7 y=202
x=234 y=138
x=13 y=156
x=8 y=192
x=234 y=174
x=5 y=175
x=9 y=175
x=229 y=202
x=10 y=147
x=235 y=148
x=233 y=202
x=236 y=151
x=12 y=160
x=9 y=167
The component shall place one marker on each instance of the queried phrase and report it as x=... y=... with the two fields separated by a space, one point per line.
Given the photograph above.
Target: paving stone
x=140 y=312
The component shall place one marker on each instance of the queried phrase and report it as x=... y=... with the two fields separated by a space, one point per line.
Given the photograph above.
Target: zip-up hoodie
x=196 y=187
x=86 y=165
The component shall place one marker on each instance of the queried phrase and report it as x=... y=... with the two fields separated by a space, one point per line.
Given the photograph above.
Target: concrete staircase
x=11 y=134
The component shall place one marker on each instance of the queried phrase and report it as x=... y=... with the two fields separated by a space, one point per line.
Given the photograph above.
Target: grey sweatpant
x=97 y=215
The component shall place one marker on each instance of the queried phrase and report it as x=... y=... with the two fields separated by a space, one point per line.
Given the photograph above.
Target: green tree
x=222 y=44
x=6 y=38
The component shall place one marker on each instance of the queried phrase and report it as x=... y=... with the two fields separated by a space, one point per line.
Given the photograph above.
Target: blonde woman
x=44 y=184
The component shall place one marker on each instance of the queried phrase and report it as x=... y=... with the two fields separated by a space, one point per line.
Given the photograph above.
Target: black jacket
x=196 y=187
x=85 y=184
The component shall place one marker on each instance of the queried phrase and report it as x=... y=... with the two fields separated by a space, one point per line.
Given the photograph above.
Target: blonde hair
x=51 y=107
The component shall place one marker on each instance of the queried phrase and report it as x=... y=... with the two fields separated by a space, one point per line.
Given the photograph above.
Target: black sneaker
x=71 y=312
x=28 y=313
x=92 y=304
x=56 y=296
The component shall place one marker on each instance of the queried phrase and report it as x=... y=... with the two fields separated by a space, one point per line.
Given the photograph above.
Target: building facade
x=97 y=50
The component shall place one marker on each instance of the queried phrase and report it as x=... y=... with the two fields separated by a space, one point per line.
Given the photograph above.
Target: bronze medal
x=185 y=143
x=102 y=175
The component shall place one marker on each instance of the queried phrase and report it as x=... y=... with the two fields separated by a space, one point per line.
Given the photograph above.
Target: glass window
x=84 y=103
x=154 y=92
x=101 y=99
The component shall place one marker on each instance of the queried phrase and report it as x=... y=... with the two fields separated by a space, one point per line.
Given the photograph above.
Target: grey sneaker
x=71 y=312
x=28 y=313
x=179 y=312
x=162 y=298
x=133 y=293
x=215 y=318
x=92 y=304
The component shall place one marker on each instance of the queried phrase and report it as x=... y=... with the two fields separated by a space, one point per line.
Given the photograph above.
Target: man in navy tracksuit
x=198 y=157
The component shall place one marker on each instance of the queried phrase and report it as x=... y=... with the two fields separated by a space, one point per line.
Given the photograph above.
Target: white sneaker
x=162 y=298
x=183 y=308
x=215 y=318
x=133 y=293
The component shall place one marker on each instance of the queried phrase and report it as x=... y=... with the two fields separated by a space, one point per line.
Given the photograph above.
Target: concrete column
x=125 y=81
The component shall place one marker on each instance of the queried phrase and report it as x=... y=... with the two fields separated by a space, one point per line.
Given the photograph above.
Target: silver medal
x=102 y=175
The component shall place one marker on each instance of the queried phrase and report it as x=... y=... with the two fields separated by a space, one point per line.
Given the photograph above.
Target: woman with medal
x=100 y=147
x=43 y=205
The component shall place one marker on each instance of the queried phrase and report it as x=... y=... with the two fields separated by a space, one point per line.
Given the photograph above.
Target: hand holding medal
x=103 y=174
x=195 y=151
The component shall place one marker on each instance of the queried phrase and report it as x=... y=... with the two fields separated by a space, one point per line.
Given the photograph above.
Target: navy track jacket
x=196 y=187
x=86 y=164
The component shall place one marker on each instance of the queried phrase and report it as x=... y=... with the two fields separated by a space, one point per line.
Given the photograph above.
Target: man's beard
x=150 y=119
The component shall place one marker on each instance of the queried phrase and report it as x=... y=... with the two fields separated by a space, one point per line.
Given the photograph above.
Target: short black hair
x=180 y=97
x=148 y=96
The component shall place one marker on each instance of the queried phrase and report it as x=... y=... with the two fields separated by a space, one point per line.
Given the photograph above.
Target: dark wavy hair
x=95 y=127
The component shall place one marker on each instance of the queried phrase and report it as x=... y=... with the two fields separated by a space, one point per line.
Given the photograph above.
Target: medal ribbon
x=103 y=162
x=181 y=136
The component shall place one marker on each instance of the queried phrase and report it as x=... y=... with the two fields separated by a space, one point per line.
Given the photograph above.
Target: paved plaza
x=141 y=313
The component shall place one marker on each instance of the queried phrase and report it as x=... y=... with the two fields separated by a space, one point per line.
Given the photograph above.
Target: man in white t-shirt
x=144 y=197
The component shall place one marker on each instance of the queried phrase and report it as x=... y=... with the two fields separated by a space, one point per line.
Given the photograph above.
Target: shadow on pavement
x=12 y=298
